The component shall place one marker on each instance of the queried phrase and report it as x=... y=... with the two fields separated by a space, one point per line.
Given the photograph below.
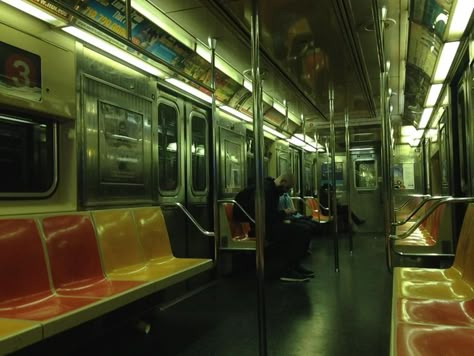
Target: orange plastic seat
x=415 y=339
x=315 y=211
x=445 y=312
x=238 y=230
x=456 y=289
x=155 y=241
x=74 y=258
x=15 y=334
x=25 y=290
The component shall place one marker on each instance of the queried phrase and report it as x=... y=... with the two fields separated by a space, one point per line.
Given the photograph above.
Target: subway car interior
x=129 y=129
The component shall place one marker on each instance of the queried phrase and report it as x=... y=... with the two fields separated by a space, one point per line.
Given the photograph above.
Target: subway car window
x=199 y=153
x=28 y=157
x=168 y=147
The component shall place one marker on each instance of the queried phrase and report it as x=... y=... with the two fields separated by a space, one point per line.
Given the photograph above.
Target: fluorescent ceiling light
x=418 y=134
x=433 y=94
x=162 y=21
x=273 y=131
x=408 y=130
x=414 y=143
x=114 y=51
x=361 y=149
x=445 y=60
x=296 y=141
x=294 y=118
x=14 y=119
x=425 y=117
x=267 y=98
x=305 y=138
x=35 y=12
x=460 y=18
x=236 y=113
x=248 y=85
x=279 y=107
x=310 y=148
x=189 y=89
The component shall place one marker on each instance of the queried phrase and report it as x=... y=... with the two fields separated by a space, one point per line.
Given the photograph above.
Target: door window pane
x=233 y=167
x=365 y=174
x=27 y=157
x=168 y=147
x=199 y=153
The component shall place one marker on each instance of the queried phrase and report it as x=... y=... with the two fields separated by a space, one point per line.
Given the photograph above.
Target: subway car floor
x=345 y=313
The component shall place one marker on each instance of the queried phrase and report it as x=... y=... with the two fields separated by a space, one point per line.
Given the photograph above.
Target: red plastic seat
x=74 y=258
x=25 y=290
x=431 y=340
x=445 y=312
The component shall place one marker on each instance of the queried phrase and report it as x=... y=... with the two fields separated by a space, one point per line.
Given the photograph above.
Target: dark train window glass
x=365 y=174
x=199 y=153
x=168 y=147
x=27 y=157
x=308 y=179
x=233 y=167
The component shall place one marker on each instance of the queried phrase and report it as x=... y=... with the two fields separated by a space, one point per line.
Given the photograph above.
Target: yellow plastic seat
x=122 y=253
x=154 y=238
x=16 y=334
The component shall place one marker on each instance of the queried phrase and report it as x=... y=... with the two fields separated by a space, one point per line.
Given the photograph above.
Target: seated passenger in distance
x=289 y=242
x=294 y=217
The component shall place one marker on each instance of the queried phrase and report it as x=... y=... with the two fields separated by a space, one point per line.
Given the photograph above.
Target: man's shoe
x=305 y=272
x=293 y=276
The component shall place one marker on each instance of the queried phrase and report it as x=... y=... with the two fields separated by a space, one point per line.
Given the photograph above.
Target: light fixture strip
x=433 y=95
x=189 y=89
x=236 y=113
x=273 y=132
x=445 y=60
x=113 y=50
x=460 y=18
x=35 y=12
x=425 y=117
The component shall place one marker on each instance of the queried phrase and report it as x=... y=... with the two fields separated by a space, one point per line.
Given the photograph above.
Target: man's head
x=285 y=182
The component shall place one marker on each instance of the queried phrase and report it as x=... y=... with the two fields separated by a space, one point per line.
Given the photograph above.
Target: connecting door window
x=365 y=174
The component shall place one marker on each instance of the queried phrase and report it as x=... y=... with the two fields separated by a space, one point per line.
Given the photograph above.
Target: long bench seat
x=315 y=210
x=51 y=272
x=427 y=233
x=433 y=309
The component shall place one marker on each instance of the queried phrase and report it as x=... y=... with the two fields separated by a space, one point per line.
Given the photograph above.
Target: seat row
x=58 y=271
x=433 y=309
x=427 y=233
x=235 y=235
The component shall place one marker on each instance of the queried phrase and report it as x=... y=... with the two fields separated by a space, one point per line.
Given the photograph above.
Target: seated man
x=293 y=216
x=292 y=240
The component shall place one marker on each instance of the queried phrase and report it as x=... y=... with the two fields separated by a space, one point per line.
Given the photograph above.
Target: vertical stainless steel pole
x=215 y=156
x=259 y=191
x=385 y=168
x=348 y=179
x=128 y=18
x=333 y=169
x=316 y=159
x=303 y=163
